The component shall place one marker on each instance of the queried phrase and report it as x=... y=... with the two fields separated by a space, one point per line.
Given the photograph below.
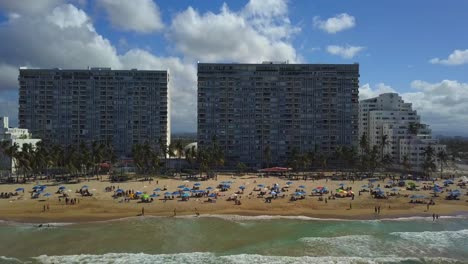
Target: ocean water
x=236 y=239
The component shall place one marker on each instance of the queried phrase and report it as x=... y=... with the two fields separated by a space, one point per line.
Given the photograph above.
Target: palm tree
x=443 y=158
x=406 y=163
x=364 y=144
x=428 y=164
x=180 y=152
x=384 y=141
x=163 y=148
x=190 y=156
x=267 y=156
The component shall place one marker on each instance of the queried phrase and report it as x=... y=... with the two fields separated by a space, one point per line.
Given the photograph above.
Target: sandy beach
x=102 y=206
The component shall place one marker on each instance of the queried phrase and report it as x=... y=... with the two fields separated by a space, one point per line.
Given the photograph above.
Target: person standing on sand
x=378 y=209
x=437 y=216
x=428 y=207
x=43 y=209
x=433 y=217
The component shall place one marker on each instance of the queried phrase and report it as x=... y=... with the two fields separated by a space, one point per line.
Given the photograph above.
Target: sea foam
x=210 y=258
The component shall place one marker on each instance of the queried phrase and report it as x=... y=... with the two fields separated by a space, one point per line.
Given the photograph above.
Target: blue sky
x=396 y=44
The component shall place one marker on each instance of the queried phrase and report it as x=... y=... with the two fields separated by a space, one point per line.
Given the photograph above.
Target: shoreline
x=257 y=216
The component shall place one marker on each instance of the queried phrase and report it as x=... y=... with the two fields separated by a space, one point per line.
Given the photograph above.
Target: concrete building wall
x=247 y=107
x=123 y=107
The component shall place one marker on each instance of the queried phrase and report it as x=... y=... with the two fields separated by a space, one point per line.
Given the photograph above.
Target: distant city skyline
x=413 y=48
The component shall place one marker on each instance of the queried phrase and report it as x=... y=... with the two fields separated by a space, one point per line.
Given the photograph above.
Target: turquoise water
x=238 y=240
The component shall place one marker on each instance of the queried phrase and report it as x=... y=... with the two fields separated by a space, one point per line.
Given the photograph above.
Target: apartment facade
x=121 y=107
x=13 y=136
x=388 y=115
x=260 y=113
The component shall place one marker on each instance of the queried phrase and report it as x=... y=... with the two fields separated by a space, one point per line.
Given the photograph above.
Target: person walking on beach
x=378 y=209
x=375 y=209
x=433 y=217
x=437 y=216
x=43 y=209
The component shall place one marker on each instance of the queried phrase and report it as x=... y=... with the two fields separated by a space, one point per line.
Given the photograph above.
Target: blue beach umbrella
x=154 y=195
x=19 y=189
x=185 y=195
x=364 y=186
x=157 y=190
x=62 y=188
x=341 y=184
x=242 y=187
x=395 y=189
x=197 y=184
x=167 y=193
x=302 y=186
x=120 y=190
x=298 y=193
x=273 y=193
x=175 y=193
x=209 y=188
x=261 y=185
x=138 y=193
x=289 y=182
x=448 y=182
x=181 y=186
x=84 y=187
x=186 y=189
x=37 y=187
x=47 y=195
x=212 y=195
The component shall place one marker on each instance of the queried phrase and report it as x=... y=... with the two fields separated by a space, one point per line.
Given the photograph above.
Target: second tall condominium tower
x=260 y=113
x=121 y=107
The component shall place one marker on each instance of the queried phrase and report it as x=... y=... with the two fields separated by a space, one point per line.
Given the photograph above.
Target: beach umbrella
x=378 y=190
x=212 y=195
x=175 y=193
x=341 y=184
x=364 y=186
x=120 y=190
x=242 y=187
x=289 y=182
x=185 y=195
x=37 y=187
x=273 y=193
x=167 y=193
x=62 y=188
x=448 y=182
x=395 y=189
x=47 y=195
x=261 y=185
x=390 y=182
x=84 y=187
x=298 y=193
x=197 y=184
x=414 y=196
x=154 y=195
x=181 y=186
x=19 y=189
x=302 y=186
x=186 y=189
x=209 y=188
x=138 y=193
x=157 y=190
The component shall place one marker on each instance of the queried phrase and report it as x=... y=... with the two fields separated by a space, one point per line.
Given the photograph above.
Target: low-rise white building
x=13 y=136
x=388 y=116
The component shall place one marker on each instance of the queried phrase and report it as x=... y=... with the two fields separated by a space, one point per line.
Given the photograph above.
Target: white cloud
x=250 y=35
x=136 y=15
x=441 y=105
x=457 y=57
x=69 y=40
x=335 y=24
x=28 y=7
x=366 y=92
x=346 y=52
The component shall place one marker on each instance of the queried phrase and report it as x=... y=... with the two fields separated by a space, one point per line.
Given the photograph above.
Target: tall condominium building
x=121 y=107
x=260 y=113
x=389 y=116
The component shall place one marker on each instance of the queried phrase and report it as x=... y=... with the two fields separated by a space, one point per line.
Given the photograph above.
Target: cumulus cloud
x=458 y=57
x=28 y=7
x=69 y=40
x=137 y=15
x=250 y=35
x=366 y=92
x=441 y=105
x=346 y=52
x=335 y=24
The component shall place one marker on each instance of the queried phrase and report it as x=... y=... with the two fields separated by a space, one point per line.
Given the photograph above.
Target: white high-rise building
x=388 y=115
x=13 y=136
